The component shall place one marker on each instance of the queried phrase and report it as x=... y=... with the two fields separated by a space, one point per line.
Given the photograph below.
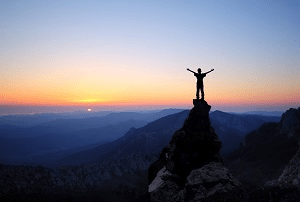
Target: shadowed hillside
x=35 y=139
x=147 y=140
x=267 y=150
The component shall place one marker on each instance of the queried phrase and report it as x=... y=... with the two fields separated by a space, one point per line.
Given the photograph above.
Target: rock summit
x=190 y=167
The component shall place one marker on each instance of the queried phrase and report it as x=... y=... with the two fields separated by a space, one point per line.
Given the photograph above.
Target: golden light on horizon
x=89 y=110
x=90 y=100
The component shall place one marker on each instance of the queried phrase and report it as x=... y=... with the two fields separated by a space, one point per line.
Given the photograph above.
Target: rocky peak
x=194 y=150
x=290 y=123
x=198 y=119
x=287 y=187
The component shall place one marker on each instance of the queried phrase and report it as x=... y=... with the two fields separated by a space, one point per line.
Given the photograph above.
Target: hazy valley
x=45 y=138
x=102 y=154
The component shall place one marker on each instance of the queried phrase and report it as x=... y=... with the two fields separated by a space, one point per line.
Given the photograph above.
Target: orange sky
x=136 y=54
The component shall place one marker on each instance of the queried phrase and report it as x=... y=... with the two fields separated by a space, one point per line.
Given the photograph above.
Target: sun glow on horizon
x=136 y=54
x=90 y=100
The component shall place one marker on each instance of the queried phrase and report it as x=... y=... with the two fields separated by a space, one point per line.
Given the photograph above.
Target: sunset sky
x=134 y=54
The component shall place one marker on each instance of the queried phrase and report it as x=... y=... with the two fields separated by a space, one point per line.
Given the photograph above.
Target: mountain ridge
x=267 y=150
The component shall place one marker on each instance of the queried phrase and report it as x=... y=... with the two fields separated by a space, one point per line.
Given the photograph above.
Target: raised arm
x=210 y=71
x=191 y=70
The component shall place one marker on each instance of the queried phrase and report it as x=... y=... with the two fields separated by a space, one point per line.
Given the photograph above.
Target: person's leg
x=202 y=93
x=197 y=92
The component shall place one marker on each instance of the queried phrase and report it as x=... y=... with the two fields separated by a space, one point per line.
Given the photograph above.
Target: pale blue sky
x=253 y=45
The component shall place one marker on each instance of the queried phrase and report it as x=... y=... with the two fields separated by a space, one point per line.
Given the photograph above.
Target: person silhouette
x=200 y=85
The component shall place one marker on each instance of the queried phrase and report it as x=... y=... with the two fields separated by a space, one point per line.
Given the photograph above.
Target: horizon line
x=42 y=109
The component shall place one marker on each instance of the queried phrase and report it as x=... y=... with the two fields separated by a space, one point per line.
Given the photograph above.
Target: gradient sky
x=135 y=53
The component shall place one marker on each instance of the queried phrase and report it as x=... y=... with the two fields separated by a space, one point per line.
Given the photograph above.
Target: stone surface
x=290 y=177
x=287 y=186
x=190 y=167
x=267 y=150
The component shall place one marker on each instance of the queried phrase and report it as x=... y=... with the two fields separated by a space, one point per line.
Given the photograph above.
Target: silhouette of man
x=200 y=85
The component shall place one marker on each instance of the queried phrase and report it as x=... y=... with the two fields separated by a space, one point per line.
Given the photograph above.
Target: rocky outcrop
x=290 y=127
x=287 y=187
x=190 y=167
x=291 y=174
x=266 y=150
x=290 y=123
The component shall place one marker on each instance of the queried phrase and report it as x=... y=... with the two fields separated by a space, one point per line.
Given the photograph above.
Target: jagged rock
x=290 y=123
x=291 y=174
x=287 y=187
x=209 y=183
x=267 y=150
x=190 y=167
x=212 y=181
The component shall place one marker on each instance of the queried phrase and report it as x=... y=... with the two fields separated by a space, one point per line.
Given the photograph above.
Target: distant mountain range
x=121 y=164
x=34 y=143
x=262 y=113
x=22 y=138
x=232 y=128
x=151 y=139
x=146 y=140
x=53 y=119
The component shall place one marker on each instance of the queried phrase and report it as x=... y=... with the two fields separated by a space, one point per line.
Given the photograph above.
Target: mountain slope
x=23 y=148
x=154 y=136
x=267 y=150
x=232 y=128
x=146 y=140
x=63 y=133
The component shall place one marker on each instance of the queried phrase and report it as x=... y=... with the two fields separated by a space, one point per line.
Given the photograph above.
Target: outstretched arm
x=191 y=70
x=210 y=71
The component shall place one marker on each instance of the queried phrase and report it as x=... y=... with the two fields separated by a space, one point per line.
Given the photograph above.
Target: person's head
x=199 y=70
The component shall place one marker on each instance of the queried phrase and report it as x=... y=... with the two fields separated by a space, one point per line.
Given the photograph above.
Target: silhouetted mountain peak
x=193 y=150
x=288 y=184
x=290 y=123
x=219 y=112
x=198 y=119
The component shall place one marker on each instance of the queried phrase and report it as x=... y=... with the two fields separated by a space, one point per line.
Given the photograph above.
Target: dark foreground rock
x=211 y=182
x=279 y=141
x=190 y=167
x=116 y=180
x=287 y=187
